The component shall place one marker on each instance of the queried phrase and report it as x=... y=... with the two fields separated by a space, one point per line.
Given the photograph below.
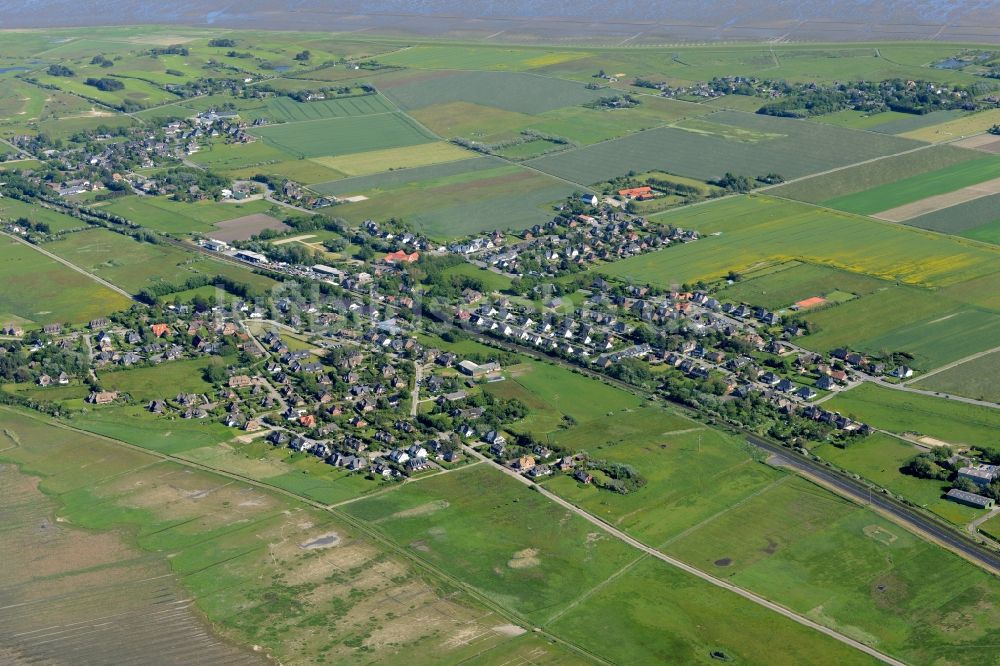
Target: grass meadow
x=973 y=379
x=133 y=265
x=850 y=569
x=976 y=219
x=947 y=420
x=38 y=290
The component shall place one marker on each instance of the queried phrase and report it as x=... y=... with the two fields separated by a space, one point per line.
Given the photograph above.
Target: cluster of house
x=579 y=240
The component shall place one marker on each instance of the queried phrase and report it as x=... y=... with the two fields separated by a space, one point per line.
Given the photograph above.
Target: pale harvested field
x=977 y=123
x=242 y=228
x=939 y=202
x=987 y=143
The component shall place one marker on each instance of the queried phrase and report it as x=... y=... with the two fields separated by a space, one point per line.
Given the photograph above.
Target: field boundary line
x=697 y=526
x=949 y=366
x=73 y=266
x=683 y=566
x=589 y=593
x=379 y=538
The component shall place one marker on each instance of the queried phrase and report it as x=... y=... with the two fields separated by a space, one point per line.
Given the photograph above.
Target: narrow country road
x=718 y=582
x=72 y=266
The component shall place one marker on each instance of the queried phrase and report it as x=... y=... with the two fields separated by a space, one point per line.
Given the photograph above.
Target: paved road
x=72 y=266
x=418 y=374
x=718 y=582
x=900 y=513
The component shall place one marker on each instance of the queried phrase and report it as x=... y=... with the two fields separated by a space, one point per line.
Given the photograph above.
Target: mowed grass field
x=726 y=141
x=38 y=290
x=795 y=281
x=240 y=553
x=919 y=187
x=847 y=567
x=758 y=231
x=518 y=92
x=973 y=379
x=286 y=109
x=341 y=136
x=178 y=217
x=938 y=340
x=873 y=174
x=132 y=265
x=13 y=209
x=453 y=199
x=897 y=411
x=544 y=562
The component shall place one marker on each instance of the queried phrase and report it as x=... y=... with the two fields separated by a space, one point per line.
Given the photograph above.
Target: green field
x=938 y=340
x=874 y=315
x=759 y=231
x=973 y=219
x=973 y=379
x=159 y=382
x=707 y=153
x=393 y=159
x=915 y=188
x=692 y=472
x=947 y=420
x=12 y=209
x=879 y=457
x=341 y=136
x=38 y=290
x=530 y=554
x=794 y=281
x=227 y=156
x=847 y=567
x=453 y=199
x=873 y=174
x=286 y=109
x=132 y=265
x=521 y=93
x=178 y=217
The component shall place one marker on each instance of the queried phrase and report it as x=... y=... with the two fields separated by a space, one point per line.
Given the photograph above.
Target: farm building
x=981 y=475
x=251 y=257
x=640 y=193
x=401 y=257
x=476 y=370
x=969 y=499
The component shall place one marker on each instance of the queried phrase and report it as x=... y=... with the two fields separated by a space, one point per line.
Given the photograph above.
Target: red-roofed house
x=640 y=193
x=159 y=330
x=307 y=420
x=400 y=256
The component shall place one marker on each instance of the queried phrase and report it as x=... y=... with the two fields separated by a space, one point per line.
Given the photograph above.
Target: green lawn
x=135 y=425
x=944 y=419
x=159 y=382
x=12 y=209
x=938 y=340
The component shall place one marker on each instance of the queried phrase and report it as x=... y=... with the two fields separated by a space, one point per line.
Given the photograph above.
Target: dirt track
x=939 y=202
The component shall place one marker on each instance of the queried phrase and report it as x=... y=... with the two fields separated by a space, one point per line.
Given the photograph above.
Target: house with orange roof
x=159 y=330
x=401 y=257
x=640 y=193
